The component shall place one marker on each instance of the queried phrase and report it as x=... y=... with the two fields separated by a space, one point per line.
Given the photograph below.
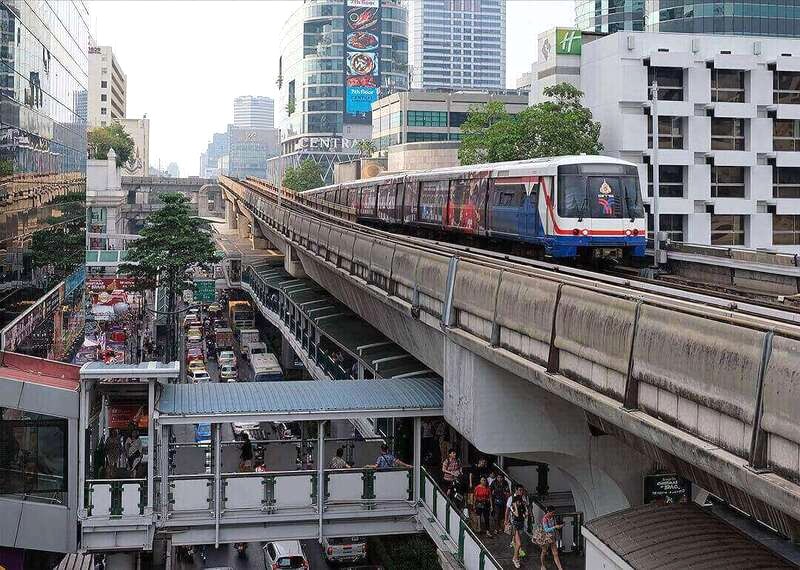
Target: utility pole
x=654 y=161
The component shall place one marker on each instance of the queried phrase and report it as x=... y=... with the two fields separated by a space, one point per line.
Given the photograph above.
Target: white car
x=251 y=428
x=226 y=357
x=228 y=373
x=348 y=549
x=200 y=376
x=285 y=555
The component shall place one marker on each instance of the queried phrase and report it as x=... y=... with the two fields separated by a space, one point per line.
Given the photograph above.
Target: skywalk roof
x=299 y=400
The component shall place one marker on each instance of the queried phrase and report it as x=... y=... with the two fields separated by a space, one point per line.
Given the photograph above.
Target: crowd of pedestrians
x=123 y=455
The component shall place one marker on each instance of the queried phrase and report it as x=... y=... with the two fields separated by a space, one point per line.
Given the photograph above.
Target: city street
x=227 y=557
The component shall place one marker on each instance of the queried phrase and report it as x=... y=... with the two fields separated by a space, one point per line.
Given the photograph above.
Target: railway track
x=737 y=308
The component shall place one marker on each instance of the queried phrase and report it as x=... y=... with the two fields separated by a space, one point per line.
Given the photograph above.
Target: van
x=252 y=348
x=284 y=555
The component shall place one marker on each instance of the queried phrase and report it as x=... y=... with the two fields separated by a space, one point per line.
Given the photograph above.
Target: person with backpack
x=387 y=460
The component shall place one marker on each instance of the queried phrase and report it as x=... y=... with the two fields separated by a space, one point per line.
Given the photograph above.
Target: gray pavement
x=226 y=557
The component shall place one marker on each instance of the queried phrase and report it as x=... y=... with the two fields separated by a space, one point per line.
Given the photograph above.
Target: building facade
x=251 y=112
x=209 y=160
x=107 y=87
x=777 y=18
x=44 y=83
x=336 y=58
x=431 y=116
x=249 y=150
x=458 y=44
x=728 y=128
x=139 y=129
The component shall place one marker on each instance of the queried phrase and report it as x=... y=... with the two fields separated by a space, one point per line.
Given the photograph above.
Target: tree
x=552 y=128
x=172 y=243
x=60 y=248
x=306 y=176
x=365 y=147
x=113 y=136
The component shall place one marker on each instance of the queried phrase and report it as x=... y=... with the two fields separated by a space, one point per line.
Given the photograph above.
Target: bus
x=240 y=315
x=266 y=368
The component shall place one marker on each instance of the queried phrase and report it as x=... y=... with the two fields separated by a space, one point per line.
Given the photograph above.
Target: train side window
x=510 y=195
x=505 y=198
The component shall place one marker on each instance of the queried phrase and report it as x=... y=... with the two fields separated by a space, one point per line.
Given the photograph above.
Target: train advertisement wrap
x=362 y=54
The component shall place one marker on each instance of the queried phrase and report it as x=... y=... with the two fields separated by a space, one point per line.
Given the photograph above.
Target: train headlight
x=575 y=231
x=628 y=233
x=636 y=231
x=585 y=232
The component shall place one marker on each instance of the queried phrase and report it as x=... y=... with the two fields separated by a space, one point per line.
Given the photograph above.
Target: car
x=189 y=320
x=196 y=365
x=214 y=308
x=194 y=334
x=193 y=354
x=284 y=555
x=246 y=427
x=226 y=357
x=202 y=433
x=228 y=372
x=200 y=376
x=346 y=549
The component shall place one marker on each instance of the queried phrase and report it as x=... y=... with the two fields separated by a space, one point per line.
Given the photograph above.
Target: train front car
x=595 y=209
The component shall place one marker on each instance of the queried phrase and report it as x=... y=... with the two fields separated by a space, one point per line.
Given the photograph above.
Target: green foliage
x=173 y=242
x=552 y=128
x=113 y=136
x=6 y=167
x=404 y=553
x=290 y=107
x=306 y=176
x=365 y=147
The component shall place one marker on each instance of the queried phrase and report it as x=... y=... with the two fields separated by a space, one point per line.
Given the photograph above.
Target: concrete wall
x=422 y=156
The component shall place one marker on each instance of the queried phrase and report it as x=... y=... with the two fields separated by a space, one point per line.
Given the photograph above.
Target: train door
x=505 y=205
x=528 y=211
x=397 y=213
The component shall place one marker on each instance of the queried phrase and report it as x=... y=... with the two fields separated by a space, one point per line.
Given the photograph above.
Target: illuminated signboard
x=362 y=54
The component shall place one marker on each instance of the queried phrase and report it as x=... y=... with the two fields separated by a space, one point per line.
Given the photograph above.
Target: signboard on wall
x=666 y=489
x=362 y=54
x=568 y=42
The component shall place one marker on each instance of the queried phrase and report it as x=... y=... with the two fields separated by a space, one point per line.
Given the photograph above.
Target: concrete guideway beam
x=589 y=366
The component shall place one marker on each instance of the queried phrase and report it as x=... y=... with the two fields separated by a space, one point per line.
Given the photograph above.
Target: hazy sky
x=186 y=61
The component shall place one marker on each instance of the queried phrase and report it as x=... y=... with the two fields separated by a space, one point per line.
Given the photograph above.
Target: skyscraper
x=457 y=44
x=251 y=112
x=777 y=18
x=107 y=87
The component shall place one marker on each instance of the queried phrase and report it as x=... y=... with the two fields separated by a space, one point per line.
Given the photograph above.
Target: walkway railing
x=193 y=496
x=468 y=549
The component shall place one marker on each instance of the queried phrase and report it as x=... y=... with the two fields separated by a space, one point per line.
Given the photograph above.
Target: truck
x=253 y=348
x=266 y=368
x=223 y=338
x=246 y=336
x=240 y=315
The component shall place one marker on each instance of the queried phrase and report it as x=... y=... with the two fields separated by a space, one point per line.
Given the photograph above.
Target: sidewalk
x=499 y=547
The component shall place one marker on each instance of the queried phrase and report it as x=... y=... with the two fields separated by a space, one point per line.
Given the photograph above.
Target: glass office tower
x=43 y=86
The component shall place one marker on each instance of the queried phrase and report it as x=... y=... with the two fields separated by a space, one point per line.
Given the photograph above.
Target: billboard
x=568 y=41
x=362 y=55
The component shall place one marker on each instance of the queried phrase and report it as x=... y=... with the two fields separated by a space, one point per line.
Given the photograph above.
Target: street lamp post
x=654 y=161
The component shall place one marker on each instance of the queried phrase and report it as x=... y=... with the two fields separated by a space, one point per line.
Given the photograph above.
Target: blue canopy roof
x=299 y=400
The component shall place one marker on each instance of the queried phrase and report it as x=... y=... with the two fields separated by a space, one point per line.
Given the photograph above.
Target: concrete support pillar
x=230 y=215
x=503 y=414
x=417 y=456
x=321 y=474
x=244 y=228
x=292 y=264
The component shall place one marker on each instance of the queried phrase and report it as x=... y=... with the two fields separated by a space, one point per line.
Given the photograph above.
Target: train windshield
x=599 y=191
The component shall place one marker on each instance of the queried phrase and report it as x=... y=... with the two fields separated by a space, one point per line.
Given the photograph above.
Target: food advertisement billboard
x=362 y=54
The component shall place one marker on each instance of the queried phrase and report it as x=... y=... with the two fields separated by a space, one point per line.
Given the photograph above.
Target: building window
x=727 y=134
x=103 y=111
x=670 y=82
x=104 y=84
x=727 y=181
x=427 y=119
x=104 y=97
x=396 y=120
x=785 y=134
x=670 y=132
x=727 y=85
x=670 y=181
x=425 y=137
x=34 y=453
x=672 y=224
x=786 y=87
x=785 y=230
x=785 y=182
x=457 y=118
x=727 y=229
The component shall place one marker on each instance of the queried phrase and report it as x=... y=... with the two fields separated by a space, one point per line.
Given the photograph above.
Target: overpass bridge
x=602 y=378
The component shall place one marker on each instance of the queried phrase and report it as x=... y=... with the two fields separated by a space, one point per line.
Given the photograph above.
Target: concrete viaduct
x=604 y=383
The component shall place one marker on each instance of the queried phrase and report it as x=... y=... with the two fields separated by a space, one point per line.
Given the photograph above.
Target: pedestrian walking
x=499 y=495
x=545 y=537
x=338 y=461
x=246 y=458
x=482 y=498
x=387 y=460
x=519 y=515
x=451 y=467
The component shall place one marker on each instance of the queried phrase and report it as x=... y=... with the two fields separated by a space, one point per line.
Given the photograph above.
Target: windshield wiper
x=582 y=209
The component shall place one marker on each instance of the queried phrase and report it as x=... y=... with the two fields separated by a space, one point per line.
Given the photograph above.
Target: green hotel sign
x=568 y=42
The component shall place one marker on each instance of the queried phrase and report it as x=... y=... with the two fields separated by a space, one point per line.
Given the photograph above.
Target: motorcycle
x=241 y=549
